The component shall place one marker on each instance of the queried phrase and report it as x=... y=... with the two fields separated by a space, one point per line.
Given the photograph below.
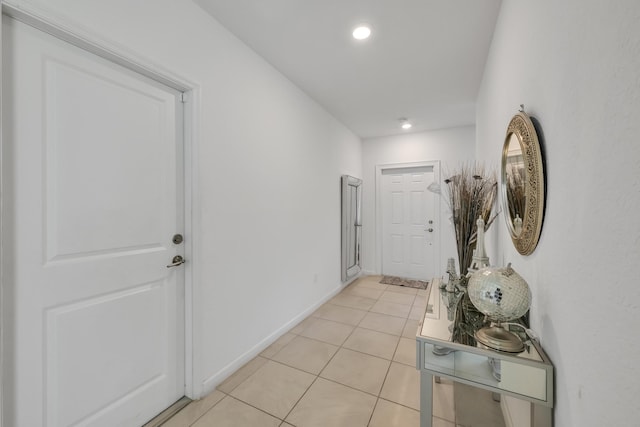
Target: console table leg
x=541 y=416
x=426 y=399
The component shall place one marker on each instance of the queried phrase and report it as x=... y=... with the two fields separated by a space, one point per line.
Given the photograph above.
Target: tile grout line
x=339 y=347
x=325 y=366
x=377 y=396
x=392 y=356
x=207 y=411
x=373 y=412
x=301 y=397
x=255 y=407
x=406 y=320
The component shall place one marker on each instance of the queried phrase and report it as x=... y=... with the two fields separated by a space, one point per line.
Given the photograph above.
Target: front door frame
x=50 y=24
x=435 y=164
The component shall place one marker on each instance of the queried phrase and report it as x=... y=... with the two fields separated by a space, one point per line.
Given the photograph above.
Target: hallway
x=351 y=363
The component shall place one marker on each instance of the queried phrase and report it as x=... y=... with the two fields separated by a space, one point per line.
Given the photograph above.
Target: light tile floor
x=351 y=363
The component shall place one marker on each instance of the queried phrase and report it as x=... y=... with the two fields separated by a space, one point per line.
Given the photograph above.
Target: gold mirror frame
x=525 y=238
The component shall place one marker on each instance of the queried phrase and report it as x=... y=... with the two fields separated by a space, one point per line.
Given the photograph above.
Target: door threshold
x=165 y=415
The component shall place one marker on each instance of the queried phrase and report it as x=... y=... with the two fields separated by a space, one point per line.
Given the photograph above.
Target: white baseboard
x=209 y=384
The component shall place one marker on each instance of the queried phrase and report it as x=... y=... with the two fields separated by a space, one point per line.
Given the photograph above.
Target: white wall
x=268 y=162
x=451 y=147
x=576 y=65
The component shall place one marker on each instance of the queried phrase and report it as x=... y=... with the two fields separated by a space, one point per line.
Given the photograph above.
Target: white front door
x=92 y=196
x=408 y=222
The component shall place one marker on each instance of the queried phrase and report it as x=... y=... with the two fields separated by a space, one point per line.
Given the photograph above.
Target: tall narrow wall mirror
x=351 y=226
x=523 y=186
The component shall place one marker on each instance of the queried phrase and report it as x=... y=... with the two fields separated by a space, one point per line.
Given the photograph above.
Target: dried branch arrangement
x=472 y=193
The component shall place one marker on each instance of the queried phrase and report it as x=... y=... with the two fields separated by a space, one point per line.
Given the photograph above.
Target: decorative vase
x=467 y=317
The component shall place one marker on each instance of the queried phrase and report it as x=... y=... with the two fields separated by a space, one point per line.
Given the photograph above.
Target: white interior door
x=408 y=223
x=92 y=187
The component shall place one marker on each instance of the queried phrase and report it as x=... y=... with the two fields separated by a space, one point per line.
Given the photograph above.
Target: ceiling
x=424 y=59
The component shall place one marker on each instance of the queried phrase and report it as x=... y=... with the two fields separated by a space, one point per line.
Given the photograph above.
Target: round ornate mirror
x=522 y=183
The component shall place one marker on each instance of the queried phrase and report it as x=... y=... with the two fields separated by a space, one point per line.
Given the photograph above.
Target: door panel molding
x=61 y=359
x=403 y=167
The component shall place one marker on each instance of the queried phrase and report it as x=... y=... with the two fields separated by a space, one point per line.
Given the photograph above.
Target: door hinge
x=183 y=97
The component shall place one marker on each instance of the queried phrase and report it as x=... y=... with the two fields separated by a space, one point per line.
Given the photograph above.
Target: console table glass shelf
x=527 y=375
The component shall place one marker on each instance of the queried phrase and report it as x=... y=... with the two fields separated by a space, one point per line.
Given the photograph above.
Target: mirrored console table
x=527 y=375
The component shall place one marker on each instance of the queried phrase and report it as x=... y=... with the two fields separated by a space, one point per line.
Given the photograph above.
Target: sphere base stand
x=498 y=338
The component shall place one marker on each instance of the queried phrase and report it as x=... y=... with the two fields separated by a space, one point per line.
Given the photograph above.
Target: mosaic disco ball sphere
x=499 y=293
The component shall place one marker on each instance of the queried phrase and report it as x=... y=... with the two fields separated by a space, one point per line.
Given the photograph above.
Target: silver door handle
x=177 y=260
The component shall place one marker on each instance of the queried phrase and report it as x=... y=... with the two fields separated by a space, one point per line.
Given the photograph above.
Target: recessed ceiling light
x=405 y=124
x=361 y=32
